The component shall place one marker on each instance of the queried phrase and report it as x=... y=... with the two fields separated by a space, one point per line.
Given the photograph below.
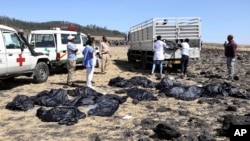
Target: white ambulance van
x=18 y=58
x=54 y=44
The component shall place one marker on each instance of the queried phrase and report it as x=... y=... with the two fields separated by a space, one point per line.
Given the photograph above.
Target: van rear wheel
x=41 y=73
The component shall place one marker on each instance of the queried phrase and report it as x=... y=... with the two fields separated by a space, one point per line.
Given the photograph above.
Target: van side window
x=64 y=39
x=43 y=40
x=11 y=40
x=84 y=40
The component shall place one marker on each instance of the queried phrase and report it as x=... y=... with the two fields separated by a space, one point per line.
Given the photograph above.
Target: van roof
x=4 y=27
x=54 y=32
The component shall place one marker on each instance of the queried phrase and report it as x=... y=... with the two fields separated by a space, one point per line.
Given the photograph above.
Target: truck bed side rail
x=168 y=28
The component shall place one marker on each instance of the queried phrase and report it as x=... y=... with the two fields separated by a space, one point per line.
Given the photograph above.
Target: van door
x=62 y=47
x=17 y=60
x=3 y=63
x=44 y=43
x=79 y=45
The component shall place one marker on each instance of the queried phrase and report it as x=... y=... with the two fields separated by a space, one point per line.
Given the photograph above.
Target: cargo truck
x=142 y=36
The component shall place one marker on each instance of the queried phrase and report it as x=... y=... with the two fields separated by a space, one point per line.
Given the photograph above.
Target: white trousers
x=89 y=77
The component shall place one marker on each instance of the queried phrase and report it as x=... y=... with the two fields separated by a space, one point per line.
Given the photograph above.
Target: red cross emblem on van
x=20 y=60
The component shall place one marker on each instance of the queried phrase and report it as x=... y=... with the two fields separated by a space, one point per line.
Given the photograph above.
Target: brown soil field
x=25 y=126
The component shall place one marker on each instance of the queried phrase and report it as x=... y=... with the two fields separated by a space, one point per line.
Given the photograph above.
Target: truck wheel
x=41 y=72
x=130 y=57
x=145 y=65
x=176 y=66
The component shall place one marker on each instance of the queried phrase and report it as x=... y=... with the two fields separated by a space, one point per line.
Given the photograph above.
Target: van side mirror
x=32 y=44
x=20 y=32
x=22 y=46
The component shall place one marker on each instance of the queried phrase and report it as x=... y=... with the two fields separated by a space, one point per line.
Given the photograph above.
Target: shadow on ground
x=7 y=85
x=20 y=81
x=136 y=67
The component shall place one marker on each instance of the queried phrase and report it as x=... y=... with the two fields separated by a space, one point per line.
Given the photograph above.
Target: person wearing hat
x=71 y=60
x=230 y=53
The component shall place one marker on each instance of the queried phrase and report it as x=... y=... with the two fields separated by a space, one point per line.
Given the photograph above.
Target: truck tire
x=41 y=73
x=144 y=60
x=130 y=57
x=176 y=66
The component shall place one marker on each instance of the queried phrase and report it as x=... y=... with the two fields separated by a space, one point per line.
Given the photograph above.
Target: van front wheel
x=41 y=73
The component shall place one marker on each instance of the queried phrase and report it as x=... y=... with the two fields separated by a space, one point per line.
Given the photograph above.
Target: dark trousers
x=184 y=63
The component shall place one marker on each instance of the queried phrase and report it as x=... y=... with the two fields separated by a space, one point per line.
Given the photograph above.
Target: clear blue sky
x=219 y=17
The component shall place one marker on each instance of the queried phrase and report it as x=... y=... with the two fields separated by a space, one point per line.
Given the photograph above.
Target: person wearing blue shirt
x=71 y=60
x=89 y=60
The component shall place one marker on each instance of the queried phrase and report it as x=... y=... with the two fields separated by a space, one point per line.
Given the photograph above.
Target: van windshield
x=11 y=40
x=64 y=39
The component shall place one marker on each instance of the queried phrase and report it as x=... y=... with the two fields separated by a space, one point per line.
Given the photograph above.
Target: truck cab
x=17 y=58
x=54 y=44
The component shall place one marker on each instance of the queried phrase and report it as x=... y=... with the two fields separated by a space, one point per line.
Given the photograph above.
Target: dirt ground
x=25 y=126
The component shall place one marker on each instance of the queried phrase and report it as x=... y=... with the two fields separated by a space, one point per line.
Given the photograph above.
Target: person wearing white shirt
x=158 y=58
x=184 y=56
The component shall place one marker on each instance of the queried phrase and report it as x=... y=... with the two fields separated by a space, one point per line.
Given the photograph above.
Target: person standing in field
x=71 y=60
x=184 y=56
x=89 y=60
x=230 y=53
x=104 y=54
x=158 y=58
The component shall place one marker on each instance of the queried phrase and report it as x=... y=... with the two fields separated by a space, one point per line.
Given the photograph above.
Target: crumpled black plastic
x=107 y=105
x=185 y=93
x=178 y=90
x=83 y=96
x=52 y=98
x=224 y=89
x=62 y=115
x=132 y=82
x=165 y=83
x=140 y=94
x=118 y=82
x=20 y=103
x=84 y=91
x=141 y=81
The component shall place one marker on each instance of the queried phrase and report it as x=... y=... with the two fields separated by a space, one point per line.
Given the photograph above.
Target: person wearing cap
x=158 y=58
x=230 y=53
x=104 y=54
x=71 y=60
x=184 y=56
x=89 y=60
